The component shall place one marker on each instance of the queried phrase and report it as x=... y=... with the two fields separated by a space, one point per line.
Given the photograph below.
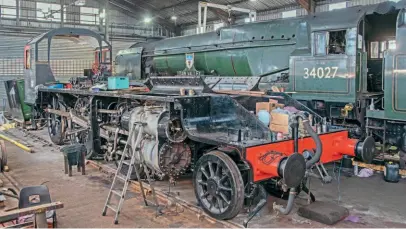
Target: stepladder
x=135 y=163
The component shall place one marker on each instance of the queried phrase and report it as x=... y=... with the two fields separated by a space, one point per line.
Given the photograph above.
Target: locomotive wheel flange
x=218 y=185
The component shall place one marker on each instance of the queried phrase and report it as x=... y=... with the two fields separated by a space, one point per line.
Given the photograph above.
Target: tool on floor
x=132 y=165
x=23 y=147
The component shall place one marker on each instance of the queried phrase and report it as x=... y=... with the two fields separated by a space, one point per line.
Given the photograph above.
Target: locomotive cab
x=342 y=73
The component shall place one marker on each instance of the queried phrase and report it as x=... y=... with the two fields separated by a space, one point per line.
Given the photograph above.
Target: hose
x=289 y=205
x=315 y=138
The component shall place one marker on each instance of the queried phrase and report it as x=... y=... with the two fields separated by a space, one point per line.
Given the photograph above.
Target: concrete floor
x=84 y=196
x=373 y=201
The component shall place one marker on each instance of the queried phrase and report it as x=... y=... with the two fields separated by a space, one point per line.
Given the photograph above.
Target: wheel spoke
x=218 y=170
x=204 y=195
x=222 y=187
x=211 y=168
x=201 y=182
x=204 y=172
x=224 y=198
x=223 y=178
x=210 y=203
x=220 y=204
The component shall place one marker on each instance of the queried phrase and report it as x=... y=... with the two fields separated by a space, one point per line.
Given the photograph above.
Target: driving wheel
x=218 y=185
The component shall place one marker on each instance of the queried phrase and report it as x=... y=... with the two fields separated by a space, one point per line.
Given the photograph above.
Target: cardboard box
x=264 y=106
x=279 y=123
x=280 y=119
x=284 y=129
x=273 y=101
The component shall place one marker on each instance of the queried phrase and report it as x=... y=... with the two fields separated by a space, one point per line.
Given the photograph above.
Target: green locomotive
x=346 y=64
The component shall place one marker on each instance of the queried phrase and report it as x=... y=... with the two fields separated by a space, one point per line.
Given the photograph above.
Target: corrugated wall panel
x=68 y=58
x=275 y=14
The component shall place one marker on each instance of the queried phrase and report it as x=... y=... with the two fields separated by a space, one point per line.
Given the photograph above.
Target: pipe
x=23 y=147
x=316 y=139
x=296 y=136
x=289 y=205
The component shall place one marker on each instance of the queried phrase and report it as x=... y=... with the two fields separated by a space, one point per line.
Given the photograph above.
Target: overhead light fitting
x=174 y=18
x=80 y=2
x=147 y=20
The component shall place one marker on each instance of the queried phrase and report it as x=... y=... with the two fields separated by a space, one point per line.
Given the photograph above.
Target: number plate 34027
x=320 y=72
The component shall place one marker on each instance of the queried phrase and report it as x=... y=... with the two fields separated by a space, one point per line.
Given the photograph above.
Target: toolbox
x=118 y=82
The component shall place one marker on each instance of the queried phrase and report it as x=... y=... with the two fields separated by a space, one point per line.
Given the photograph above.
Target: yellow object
x=346 y=109
x=23 y=147
x=7 y=126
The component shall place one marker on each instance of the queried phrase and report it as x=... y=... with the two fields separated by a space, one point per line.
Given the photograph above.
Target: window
x=287 y=14
x=336 y=6
x=383 y=48
x=320 y=41
x=378 y=48
x=89 y=15
x=48 y=11
x=337 y=42
x=333 y=42
x=8 y=8
x=392 y=44
x=375 y=49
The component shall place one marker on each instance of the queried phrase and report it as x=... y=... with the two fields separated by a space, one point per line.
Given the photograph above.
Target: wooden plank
x=11 y=215
x=402 y=172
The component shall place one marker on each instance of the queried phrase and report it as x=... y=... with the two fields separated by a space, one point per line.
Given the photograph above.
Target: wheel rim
x=218 y=185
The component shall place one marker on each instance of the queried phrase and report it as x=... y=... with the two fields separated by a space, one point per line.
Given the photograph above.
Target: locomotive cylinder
x=149 y=116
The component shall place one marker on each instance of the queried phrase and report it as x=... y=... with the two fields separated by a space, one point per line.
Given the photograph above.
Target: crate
x=118 y=82
x=58 y=85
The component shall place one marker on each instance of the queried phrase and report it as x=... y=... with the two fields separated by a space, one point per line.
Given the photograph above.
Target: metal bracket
x=204 y=5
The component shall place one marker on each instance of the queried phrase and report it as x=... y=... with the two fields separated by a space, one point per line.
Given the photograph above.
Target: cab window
x=377 y=48
x=330 y=43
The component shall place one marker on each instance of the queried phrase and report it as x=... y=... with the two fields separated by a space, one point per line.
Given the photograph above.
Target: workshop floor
x=371 y=201
x=84 y=196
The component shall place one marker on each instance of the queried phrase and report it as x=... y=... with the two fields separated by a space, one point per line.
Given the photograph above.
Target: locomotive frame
x=326 y=60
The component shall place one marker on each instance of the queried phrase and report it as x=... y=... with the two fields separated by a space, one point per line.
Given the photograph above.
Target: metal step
x=127 y=162
x=122 y=178
x=112 y=208
x=118 y=193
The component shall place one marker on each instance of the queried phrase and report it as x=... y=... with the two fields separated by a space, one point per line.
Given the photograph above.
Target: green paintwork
x=323 y=84
x=24 y=107
x=395 y=78
x=342 y=88
x=242 y=50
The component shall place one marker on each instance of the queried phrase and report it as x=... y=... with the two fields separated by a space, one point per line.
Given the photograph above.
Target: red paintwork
x=335 y=145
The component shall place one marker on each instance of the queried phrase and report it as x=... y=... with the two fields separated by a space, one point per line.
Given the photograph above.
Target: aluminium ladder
x=126 y=180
